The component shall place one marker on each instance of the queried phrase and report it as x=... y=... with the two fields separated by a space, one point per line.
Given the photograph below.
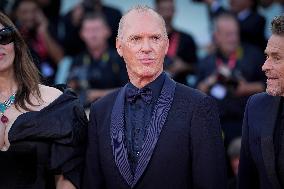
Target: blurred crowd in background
x=78 y=48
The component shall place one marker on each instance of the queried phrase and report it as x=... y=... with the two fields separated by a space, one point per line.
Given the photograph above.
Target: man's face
x=94 y=33
x=143 y=45
x=27 y=14
x=274 y=65
x=227 y=36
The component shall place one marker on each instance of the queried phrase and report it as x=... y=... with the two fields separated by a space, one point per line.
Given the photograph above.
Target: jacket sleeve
x=68 y=146
x=207 y=149
x=247 y=174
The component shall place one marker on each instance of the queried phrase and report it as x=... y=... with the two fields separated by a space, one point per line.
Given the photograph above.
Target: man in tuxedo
x=262 y=152
x=153 y=132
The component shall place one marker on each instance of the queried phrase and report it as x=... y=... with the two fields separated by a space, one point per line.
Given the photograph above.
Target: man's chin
x=273 y=92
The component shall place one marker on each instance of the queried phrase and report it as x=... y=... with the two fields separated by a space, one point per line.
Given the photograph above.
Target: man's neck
x=227 y=54
x=141 y=82
x=98 y=52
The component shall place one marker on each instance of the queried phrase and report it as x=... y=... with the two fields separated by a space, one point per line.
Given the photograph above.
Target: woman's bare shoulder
x=49 y=94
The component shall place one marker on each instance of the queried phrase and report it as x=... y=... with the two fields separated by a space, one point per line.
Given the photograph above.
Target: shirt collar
x=155 y=86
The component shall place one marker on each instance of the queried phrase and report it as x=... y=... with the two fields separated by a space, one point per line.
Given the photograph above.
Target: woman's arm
x=62 y=183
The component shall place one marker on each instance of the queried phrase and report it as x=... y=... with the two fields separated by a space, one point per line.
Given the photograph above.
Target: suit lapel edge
x=158 y=120
x=117 y=137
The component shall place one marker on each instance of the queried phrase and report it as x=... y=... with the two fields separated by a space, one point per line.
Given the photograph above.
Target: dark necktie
x=144 y=93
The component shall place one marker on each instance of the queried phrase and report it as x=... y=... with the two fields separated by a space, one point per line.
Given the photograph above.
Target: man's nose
x=146 y=45
x=267 y=65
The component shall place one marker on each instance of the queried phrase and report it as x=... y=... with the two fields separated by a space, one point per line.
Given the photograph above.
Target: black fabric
x=134 y=94
x=46 y=143
x=188 y=154
x=257 y=168
x=137 y=117
x=279 y=145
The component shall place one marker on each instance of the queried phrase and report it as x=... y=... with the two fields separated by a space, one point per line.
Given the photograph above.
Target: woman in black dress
x=42 y=129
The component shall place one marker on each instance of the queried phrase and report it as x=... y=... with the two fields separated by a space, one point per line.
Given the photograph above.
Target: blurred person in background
x=230 y=74
x=269 y=9
x=56 y=24
x=252 y=24
x=42 y=129
x=181 y=57
x=33 y=25
x=97 y=70
x=73 y=43
x=3 y=5
x=262 y=151
x=233 y=152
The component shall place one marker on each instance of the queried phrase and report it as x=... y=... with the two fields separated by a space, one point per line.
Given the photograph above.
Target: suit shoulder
x=190 y=93
x=260 y=97
x=106 y=101
x=260 y=100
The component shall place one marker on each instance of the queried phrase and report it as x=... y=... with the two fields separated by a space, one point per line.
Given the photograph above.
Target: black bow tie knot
x=144 y=93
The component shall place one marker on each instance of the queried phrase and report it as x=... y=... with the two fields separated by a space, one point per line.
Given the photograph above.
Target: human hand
x=77 y=14
x=242 y=88
x=207 y=83
x=42 y=21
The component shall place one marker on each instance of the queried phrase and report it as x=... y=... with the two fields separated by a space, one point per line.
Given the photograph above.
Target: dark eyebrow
x=274 y=54
x=134 y=35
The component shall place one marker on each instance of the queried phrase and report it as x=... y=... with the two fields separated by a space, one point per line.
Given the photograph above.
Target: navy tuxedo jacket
x=257 y=162
x=183 y=147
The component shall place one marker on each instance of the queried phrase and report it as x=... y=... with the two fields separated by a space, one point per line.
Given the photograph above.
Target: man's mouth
x=146 y=60
x=271 y=78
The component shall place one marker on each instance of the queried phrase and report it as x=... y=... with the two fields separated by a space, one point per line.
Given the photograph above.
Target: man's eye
x=277 y=58
x=155 y=38
x=135 y=39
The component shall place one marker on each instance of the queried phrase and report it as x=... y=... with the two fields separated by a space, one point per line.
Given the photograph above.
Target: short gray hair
x=139 y=9
x=277 y=25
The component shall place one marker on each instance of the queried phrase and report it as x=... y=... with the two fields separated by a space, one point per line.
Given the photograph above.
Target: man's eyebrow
x=274 y=53
x=134 y=35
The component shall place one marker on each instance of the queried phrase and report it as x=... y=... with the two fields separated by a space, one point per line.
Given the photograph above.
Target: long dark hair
x=25 y=71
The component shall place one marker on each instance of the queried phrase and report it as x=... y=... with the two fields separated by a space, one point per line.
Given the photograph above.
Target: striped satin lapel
x=158 y=119
x=117 y=136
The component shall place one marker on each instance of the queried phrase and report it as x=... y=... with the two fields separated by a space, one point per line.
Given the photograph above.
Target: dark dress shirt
x=137 y=116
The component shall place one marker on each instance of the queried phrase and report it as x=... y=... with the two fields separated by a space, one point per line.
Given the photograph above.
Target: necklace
x=4 y=106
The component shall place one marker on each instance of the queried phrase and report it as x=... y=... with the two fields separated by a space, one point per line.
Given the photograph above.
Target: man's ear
x=118 y=45
x=167 y=46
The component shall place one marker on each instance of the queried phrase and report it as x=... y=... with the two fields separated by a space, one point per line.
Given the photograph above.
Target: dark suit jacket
x=183 y=147
x=257 y=161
